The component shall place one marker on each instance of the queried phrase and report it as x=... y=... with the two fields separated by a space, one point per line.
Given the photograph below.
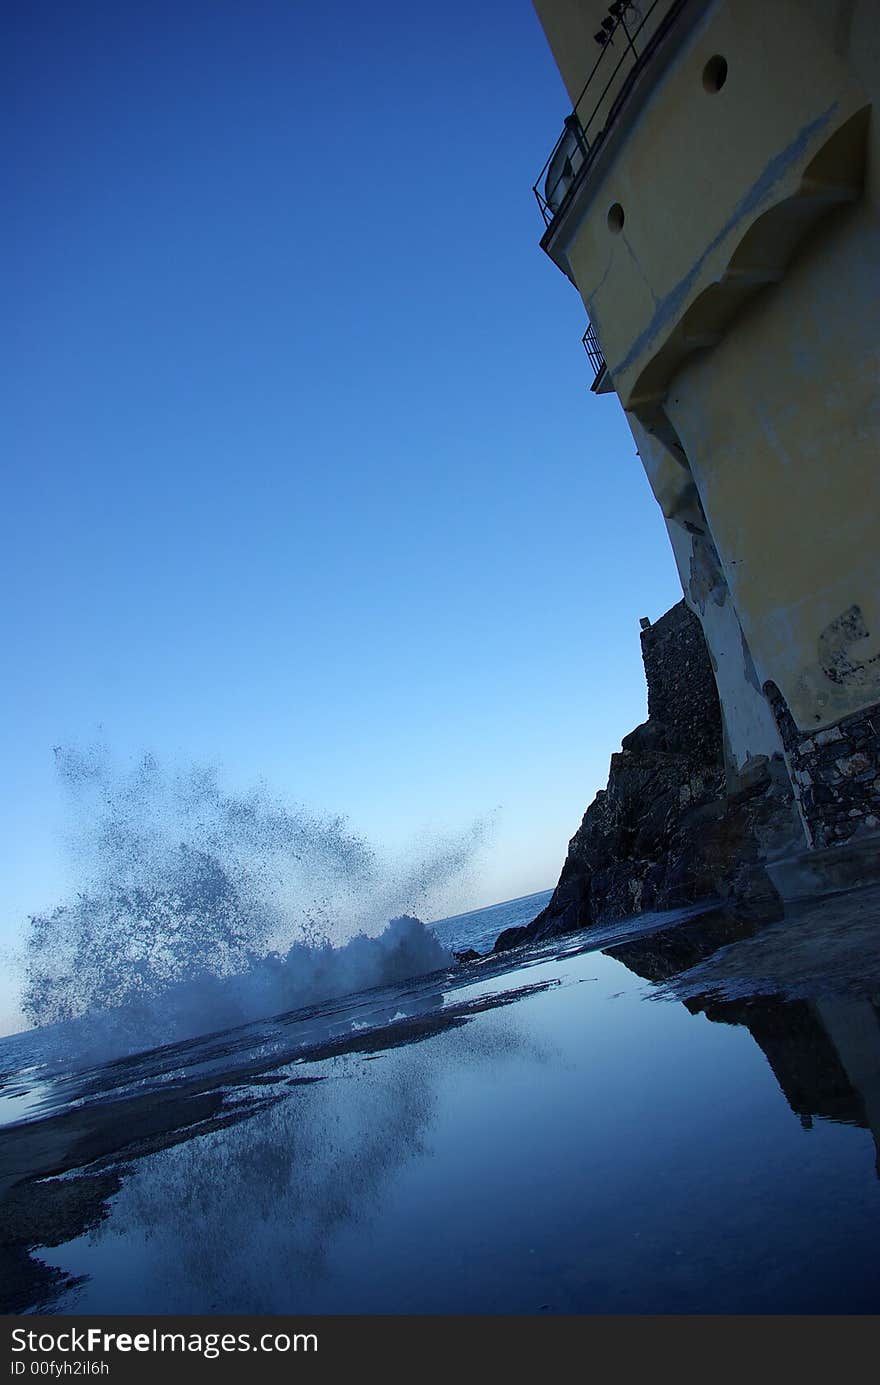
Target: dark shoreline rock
x=666 y=832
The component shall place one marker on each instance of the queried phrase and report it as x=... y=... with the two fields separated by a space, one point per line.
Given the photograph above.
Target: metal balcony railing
x=594 y=355
x=628 y=36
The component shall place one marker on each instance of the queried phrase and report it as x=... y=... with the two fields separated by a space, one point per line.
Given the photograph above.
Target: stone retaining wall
x=835 y=772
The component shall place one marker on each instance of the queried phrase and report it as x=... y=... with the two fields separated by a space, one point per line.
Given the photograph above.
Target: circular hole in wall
x=615 y=218
x=715 y=73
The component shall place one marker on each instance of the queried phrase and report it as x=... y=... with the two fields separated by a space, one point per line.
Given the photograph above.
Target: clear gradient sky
x=303 y=475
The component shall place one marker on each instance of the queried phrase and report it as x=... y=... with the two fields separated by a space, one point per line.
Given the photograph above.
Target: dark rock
x=468 y=955
x=665 y=832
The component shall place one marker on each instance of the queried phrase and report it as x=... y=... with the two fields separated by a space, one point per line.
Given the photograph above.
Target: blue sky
x=303 y=476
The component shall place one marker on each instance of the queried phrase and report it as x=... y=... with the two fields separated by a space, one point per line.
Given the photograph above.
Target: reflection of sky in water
x=582 y=1150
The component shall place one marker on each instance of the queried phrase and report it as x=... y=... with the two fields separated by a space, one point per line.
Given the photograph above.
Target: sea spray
x=200 y=908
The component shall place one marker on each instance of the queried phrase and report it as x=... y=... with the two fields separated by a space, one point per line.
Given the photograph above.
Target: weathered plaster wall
x=781 y=423
x=735 y=294
x=712 y=185
x=739 y=301
x=749 y=728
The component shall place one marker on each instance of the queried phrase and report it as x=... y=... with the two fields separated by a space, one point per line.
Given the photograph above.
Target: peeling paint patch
x=707 y=581
x=749 y=665
x=835 y=644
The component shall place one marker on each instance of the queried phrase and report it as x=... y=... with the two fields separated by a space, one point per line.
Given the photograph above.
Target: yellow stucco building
x=713 y=197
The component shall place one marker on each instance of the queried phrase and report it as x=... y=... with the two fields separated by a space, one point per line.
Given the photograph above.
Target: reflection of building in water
x=853 y=1027
x=825 y=1054
x=713 y=197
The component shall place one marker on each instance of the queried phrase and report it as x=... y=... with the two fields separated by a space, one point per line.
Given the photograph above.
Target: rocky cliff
x=666 y=832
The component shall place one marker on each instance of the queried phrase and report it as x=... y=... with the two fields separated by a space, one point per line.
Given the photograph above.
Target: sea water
x=578 y=1127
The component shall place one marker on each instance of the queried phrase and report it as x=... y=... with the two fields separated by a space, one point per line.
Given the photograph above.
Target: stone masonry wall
x=835 y=772
x=682 y=695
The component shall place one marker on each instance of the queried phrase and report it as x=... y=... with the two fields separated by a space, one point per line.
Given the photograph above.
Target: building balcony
x=601 y=379
x=627 y=38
